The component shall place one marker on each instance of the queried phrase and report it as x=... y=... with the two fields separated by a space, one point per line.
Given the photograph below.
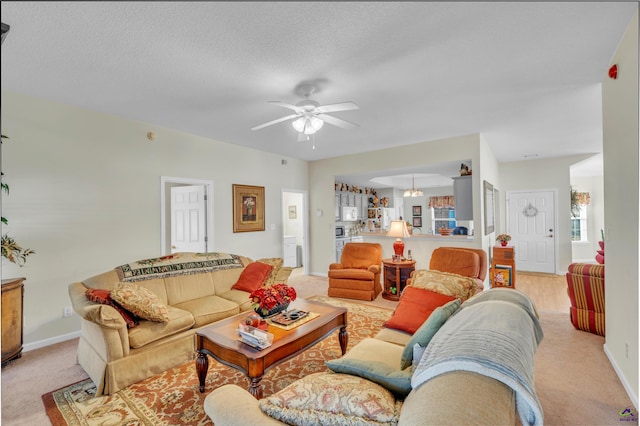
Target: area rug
x=173 y=398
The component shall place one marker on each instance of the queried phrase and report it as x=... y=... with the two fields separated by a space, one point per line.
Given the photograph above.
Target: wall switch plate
x=67 y=312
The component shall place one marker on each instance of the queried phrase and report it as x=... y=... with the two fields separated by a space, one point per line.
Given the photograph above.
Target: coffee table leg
x=202 y=366
x=255 y=388
x=343 y=337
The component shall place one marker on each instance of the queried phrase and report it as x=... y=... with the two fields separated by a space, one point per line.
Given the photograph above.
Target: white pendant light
x=413 y=192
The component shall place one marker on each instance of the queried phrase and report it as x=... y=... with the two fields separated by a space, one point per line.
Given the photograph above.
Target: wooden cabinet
x=463 y=196
x=503 y=267
x=395 y=276
x=12 y=297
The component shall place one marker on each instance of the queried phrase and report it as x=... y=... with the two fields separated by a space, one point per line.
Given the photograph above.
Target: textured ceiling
x=525 y=75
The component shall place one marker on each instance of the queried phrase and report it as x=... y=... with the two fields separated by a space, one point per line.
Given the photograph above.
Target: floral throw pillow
x=276 y=263
x=103 y=297
x=444 y=283
x=141 y=301
x=333 y=399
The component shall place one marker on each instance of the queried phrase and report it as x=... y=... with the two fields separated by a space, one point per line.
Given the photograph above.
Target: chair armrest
x=374 y=268
x=336 y=266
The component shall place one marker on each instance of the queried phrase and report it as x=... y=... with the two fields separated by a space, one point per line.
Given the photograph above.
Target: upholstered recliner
x=585 y=283
x=357 y=276
x=468 y=262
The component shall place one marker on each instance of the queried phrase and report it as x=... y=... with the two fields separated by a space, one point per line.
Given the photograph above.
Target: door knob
x=550 y=235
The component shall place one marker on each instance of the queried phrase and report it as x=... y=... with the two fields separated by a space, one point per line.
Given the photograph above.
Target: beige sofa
x=115 y=356
x=460 y=396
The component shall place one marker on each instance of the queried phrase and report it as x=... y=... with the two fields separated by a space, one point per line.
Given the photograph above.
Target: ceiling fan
x=310 y=116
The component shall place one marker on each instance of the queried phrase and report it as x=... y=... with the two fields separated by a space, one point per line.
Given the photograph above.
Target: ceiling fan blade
x=279 y=120
x=337 y=121
x=286 y=105
x=342 y=106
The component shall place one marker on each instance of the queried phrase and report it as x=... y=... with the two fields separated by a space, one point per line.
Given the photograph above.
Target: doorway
x=531 y=222
x=294 y=228
x=186 y=215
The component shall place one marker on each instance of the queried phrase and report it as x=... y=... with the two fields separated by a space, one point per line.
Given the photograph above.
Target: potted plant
x=503 y=239
x=11 y=250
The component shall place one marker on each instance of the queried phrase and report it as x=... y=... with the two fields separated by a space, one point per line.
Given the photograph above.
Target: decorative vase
x=273 y=311
x=504 y=243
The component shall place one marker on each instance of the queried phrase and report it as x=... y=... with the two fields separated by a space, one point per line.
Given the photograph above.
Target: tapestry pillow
x=444 y=283
x=333 y=399
x=397 y=381
x=414 y=308
x=425 y=333
x=103 y=297
x=140 y=301
x=276 y=263
x=253 y=276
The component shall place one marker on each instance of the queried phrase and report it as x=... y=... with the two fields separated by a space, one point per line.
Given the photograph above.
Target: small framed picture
x=292 y=212
x=417 y=210
x=396 y=258
x=417 y=222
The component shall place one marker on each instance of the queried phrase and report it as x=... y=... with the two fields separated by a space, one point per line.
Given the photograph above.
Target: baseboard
x=623 y=380
x=50 y=341
x=319 y=274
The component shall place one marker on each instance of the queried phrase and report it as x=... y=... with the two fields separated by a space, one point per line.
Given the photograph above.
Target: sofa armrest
x=230 y=405
x=103 y=315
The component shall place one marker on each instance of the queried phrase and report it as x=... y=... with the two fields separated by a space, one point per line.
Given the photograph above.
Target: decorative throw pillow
x=333 y=399
x=103 y=297
x=414 y=308
x=425 y=333
x=397 y=381
x=141 y=301
x=444 y=283
x=276 y=263
x=253 y=276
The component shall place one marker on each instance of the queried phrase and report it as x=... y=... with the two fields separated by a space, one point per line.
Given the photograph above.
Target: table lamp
x=398 y=229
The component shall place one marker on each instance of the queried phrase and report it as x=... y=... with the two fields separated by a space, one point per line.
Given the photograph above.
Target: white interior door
x=188 y=213
x=531 y=224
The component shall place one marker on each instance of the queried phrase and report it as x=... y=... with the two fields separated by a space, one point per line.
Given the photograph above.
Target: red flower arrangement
x=265 y=299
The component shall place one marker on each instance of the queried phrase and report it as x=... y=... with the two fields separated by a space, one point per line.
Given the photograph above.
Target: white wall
x=85 y=195
x=621 y=187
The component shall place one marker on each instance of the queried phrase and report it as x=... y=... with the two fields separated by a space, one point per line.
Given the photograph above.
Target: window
x=443 y=218
x=579 y=224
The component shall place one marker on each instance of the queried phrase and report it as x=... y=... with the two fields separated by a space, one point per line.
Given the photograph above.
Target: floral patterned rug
x=173 y=398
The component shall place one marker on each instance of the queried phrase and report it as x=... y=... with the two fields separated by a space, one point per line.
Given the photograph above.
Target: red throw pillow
x=103 y=297
x=414 y=307
x=253 y=277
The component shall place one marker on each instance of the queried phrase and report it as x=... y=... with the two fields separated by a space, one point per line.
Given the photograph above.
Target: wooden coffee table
x=220 y=341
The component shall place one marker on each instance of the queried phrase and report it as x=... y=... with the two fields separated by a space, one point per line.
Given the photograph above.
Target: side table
x=395 y=277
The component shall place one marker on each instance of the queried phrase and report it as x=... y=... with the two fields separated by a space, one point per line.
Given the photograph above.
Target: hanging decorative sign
x=530 y=211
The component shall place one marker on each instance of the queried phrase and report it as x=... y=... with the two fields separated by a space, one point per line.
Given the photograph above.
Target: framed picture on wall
x=417 y=222
x=417 y=210
x=489 y=208
x=292 y=212
x=248 y=208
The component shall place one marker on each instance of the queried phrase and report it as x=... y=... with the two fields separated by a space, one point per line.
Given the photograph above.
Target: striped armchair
x=586 y=290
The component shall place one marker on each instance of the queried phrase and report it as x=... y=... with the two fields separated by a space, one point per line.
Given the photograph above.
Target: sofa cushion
x=276 y=263
x=208 y=309
x=333 y=399
x=414 y=308
x=103 y=297
x=444 y=283
x=428 y=329
x=150 y=331
x=141 y=301
x=397 y=381
x=253 y=277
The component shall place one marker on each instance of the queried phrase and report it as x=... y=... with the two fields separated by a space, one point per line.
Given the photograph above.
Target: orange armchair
x=357 y=276
x=468 y=262
x=585 y=285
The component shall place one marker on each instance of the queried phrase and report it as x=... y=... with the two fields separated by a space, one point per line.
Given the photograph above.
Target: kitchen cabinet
x=337 y=207
x=12 y=303
x=289 y=251
x=463 y=196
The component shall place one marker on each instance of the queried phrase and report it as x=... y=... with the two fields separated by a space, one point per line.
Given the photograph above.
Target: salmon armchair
x=357 y=276
x=469 y=262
